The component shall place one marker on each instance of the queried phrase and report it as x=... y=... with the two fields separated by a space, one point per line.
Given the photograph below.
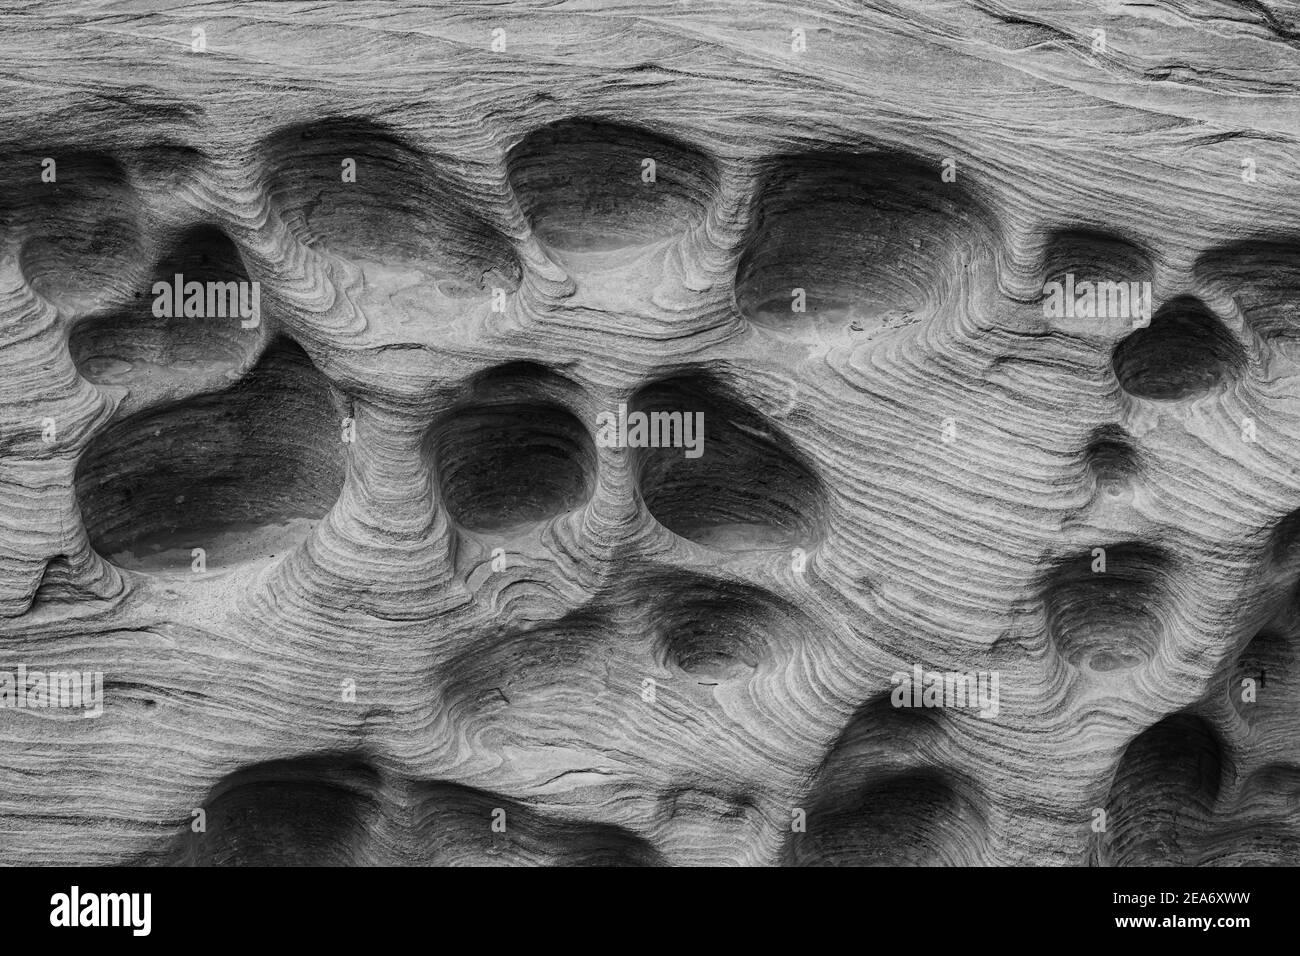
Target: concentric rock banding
x=637 y=656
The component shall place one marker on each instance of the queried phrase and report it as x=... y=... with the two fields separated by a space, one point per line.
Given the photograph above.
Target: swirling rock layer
x=367 y=581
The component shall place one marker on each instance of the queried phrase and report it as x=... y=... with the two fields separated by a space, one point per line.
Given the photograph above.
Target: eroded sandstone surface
x=369 y=580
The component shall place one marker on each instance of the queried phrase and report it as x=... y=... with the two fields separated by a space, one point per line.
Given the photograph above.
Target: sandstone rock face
x=375 y=569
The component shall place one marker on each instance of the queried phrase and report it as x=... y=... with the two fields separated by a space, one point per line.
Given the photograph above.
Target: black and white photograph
x=683 y=433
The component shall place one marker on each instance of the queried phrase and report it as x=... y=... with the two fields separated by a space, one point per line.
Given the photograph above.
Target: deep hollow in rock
x=583 y=186
x=1285 y=541
x=748 y=488
x=1263 y=278
x=242 y=473
x=873 y=241
x=308 y=812
x=402 y=211
x=81 y=233
x=718 y=630
x=134 y=344
x=337 y=810
x=913 y=818
x=510 y=453
x=1185 y=352
x=1164 y=793
x=1108 y=619
x=1111 y=459
x=877 y=801
x=1093 y=256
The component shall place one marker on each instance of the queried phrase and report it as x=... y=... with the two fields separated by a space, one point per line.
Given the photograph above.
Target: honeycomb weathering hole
x=511 y=453
x=309 y=812
x=747 y=488
x=507 y=465
x=912 y=818
x=873 y=800
x=1263 y=278
x=589 y=186
x=1095 y=257
x=81 y=234
x=1285 y=540
x=1185 y=352
x=243 y=473
x=338 y=811
x=1104 y=607
x=357 y=188
x=1164 y=792
x=718 y=630
x=871 y=240
x=136 y=344
x=1111 y=460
